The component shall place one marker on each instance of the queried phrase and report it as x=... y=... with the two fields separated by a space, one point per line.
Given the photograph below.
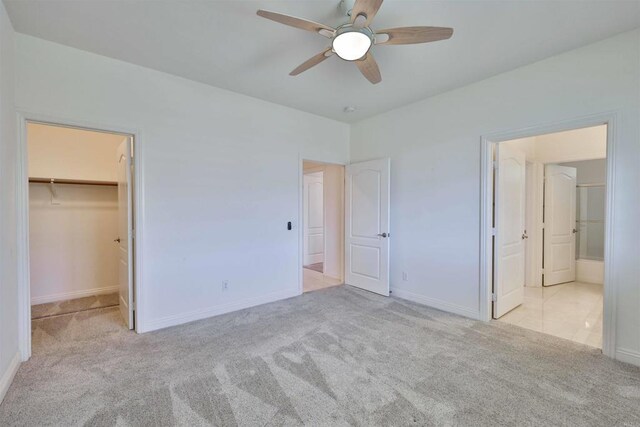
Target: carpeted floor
x=338 y=356
x=49 y=309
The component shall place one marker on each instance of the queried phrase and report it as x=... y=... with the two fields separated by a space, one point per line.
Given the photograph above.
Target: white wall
x=220 y=176
x=572 y=145
x=71 y=248
x=334 y=221
x=568 y=146
x=9 y=357
x=434 y=147
x=67 y=153
x=589 y=171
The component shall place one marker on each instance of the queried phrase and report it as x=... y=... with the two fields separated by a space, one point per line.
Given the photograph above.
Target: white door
x=125 y=276
x=509 y=247
x=367 y=194
x=313 y=218
x=559 y=224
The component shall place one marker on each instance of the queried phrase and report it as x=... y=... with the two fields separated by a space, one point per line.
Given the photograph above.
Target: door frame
x=22 y=212
x=300 y=223
x=487 y=144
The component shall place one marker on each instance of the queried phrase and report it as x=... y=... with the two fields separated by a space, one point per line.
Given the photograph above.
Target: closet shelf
x=72 y=181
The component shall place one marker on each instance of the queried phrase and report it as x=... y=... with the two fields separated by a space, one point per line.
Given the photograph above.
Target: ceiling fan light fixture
x=352 y=44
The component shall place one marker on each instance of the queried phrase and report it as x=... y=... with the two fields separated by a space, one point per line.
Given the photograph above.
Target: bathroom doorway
x=549 y=233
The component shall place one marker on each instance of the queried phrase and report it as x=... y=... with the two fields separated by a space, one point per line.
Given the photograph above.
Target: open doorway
x=81 y=218
x=549 y=233
x=322 y=225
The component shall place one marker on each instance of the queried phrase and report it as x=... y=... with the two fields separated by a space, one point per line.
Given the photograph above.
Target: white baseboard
x=192 y=316
x=589 y=271
x=8 y=375
x=436 y=303
x=628 y=356
x=73 y=294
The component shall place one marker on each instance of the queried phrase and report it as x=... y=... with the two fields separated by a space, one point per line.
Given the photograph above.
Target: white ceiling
x=225 y=44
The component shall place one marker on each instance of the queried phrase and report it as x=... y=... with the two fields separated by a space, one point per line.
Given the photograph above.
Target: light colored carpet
x=39 y=311
x=337 y=356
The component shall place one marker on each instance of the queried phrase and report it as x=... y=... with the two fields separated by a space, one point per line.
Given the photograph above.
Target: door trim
x=22 y=219
x=487 y=144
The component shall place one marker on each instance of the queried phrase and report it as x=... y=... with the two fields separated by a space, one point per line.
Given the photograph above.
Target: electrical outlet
x=225 y=285
x=405 y=276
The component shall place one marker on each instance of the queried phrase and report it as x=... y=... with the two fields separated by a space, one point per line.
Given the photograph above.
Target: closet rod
x=73 y=182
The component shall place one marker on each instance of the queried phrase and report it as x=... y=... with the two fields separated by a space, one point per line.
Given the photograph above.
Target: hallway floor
x=571 y=310
x=312 y=281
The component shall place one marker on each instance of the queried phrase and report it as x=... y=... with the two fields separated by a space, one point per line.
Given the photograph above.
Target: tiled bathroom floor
x=572 y=311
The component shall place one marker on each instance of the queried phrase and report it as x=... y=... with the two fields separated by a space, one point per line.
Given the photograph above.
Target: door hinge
x=494 y=297
x=493 y=231
x=494 y=163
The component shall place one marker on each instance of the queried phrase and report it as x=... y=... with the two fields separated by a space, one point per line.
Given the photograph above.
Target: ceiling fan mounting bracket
x=346 y=6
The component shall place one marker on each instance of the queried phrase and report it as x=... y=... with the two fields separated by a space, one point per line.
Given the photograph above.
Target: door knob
x=383 y=235
x=117 y=240
x=524 y=236
x=575 y=231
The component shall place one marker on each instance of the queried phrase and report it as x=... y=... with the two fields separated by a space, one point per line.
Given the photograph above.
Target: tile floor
x=57 y=308
x=572 y=311
x=312 y=281
x=319 y=267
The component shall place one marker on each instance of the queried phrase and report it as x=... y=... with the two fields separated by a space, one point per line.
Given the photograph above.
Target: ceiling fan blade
x=298 y=22
x=411 y=35
x=369 y=68
x=312 y=62
x=367 y=8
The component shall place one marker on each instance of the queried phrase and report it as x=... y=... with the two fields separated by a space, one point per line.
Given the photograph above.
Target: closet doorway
x=80 y=236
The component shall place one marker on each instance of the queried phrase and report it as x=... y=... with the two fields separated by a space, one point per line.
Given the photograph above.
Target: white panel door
x=367 y=191
x=509 y=247
x=124 y=240
x=559 y=225
x=313 y=218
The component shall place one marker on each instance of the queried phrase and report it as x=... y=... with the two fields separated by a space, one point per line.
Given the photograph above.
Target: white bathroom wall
x=573 y=145
x=219 y=170
x=590 y=171
x=9 y=355
x=434 y=146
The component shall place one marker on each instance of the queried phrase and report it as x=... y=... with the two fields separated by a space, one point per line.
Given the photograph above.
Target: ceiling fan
x=353 y=40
